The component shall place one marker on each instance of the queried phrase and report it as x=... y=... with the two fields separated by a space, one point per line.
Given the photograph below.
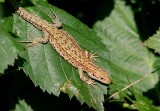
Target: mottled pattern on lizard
x=66 y=46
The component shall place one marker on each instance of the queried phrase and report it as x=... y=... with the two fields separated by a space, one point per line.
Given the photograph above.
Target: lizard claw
x=32 y=43
x=90 y=82
x=91 y=55
x=56 y=22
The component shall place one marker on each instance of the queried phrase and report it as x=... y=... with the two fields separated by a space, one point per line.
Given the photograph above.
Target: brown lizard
x=66 y=47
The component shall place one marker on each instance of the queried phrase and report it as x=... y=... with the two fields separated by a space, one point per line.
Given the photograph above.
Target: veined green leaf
x=142 y=103
x=9 y=48
x=22 y=106
x=130 y=60
x=48 y=70
x=154 y=42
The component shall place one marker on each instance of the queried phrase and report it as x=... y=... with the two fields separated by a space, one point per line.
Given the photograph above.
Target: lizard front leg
x=83 y=78
x=91 y=55
x=56 y=22
x=37 y=40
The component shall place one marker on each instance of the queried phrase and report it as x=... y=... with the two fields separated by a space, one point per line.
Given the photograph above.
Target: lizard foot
x=91 y=56
x=56 y=22
x=37 y=40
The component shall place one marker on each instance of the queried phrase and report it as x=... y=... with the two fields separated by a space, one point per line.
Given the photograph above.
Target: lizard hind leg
x=85 y=79
x=56 y=21
x=37 y=40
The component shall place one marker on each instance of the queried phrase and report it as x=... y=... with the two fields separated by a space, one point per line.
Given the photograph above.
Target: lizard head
x=101 y=75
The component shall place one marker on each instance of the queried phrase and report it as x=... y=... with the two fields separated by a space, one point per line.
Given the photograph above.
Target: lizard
x=65 y=46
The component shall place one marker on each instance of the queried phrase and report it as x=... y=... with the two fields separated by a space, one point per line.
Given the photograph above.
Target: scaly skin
x=66 y=46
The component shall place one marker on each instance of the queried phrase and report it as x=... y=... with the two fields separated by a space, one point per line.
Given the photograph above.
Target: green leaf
x=50 y=71
x=129 y=59
x=154 y=42
x=38 y=1
x=1 y=0
x=142 y=103
x=22 y=106
x=9 y=48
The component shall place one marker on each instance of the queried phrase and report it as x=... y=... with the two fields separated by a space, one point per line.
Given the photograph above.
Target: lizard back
x=66 y=46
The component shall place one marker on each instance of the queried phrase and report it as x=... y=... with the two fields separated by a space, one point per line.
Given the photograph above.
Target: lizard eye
x=102 y=78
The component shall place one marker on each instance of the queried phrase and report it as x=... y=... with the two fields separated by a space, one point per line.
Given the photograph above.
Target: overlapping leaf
x=9 y=48
x=22 y=106
x=130 y=59
x=154 y=42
